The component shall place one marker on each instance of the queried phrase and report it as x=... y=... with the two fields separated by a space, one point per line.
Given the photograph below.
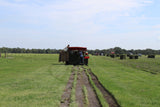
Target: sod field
x=35 y=80
x=32 y=80
x=134 y=83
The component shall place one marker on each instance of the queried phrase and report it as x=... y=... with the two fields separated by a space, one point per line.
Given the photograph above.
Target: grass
x=85 y=96
x=98 y=92
x=31 y=80
x=132 y=87
x=143 y=63
x=73 y=102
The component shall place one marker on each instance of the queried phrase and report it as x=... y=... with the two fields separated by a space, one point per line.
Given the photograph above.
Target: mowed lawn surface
x=36 y=80
x=130 y=85
x=32 y=80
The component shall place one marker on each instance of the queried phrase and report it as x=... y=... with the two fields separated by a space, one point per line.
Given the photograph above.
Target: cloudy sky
x=96 y=24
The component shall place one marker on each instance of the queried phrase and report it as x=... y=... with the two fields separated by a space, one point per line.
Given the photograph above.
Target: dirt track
x=89 y=98
x=65 y=100
x=82 y=80
x=106 y=94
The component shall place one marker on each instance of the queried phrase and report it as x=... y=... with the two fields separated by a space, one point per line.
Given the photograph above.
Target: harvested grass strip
x=85 y=96
x=98 y=92
x=106 y=94
x=66 y=97
x=73 y=92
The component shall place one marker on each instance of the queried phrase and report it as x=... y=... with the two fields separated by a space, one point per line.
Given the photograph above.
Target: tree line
x=23 y=50
x=116 y=50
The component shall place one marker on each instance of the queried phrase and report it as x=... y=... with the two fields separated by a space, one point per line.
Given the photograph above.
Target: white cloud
x=156 y=27
x=90 y=8
x=76 y=20
x=9 y=4
x=74 y=12
x=20 y=0
x=85 y=6
x=148 y=1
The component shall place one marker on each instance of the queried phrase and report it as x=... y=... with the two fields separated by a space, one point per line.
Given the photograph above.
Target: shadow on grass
x=58 y=64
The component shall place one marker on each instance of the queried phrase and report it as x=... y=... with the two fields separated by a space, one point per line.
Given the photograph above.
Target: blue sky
x=95 y=24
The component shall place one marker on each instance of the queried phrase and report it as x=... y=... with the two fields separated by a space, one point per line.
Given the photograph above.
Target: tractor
x=71 y=55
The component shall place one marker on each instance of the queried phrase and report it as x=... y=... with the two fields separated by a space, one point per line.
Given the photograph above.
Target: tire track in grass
x=92 y=97
x=65 y=99
x=83 y=80
x=106 y=94
x=85 y=94
x=79 y=92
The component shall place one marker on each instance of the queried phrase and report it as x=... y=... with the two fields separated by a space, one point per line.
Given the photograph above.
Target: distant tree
x=118 y=50
x=48 y=50
x=28 y=51
x=150 y=51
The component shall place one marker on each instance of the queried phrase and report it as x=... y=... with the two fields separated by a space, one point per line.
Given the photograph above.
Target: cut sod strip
x=79 y=92
x=82 y=80
x=106 y=94
x=65 y=100
x=85 y=90
x=98 y=92
x=73 y=93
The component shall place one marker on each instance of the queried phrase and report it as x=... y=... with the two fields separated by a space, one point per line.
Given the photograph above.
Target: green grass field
x=33 y=80
x=143 y=63
x=130 y=85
